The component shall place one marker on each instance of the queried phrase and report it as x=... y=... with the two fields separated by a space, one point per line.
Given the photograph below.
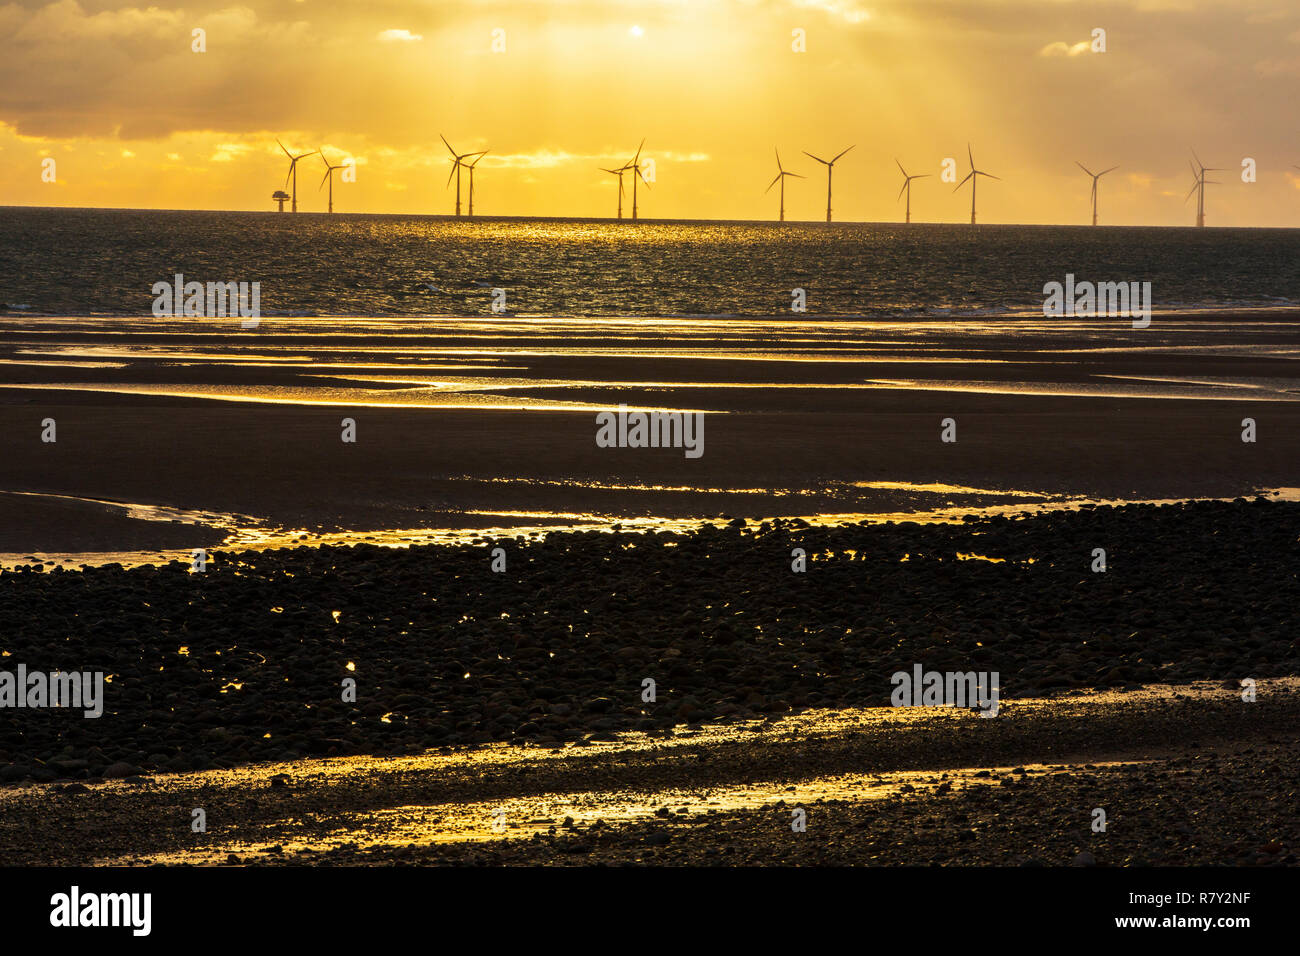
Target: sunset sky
x=133 y=118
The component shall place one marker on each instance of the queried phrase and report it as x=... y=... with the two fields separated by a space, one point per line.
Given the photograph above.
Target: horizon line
x=632 y=222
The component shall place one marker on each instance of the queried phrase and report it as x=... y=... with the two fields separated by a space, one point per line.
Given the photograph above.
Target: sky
x=132 y=116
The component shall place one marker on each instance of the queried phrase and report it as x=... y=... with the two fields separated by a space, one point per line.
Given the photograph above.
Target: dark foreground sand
x=1185 y=776
x=244 y=663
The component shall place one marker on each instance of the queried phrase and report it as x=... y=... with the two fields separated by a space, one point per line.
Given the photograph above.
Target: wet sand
x=458 y=427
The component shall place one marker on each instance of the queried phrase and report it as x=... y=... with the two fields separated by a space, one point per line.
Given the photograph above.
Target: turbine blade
x=1083 y=167
x=451 y=174
x=797 y=175
x=323 y=178
x=980 y=172
x=1198 y=159
x=638 y=151
x=900 y=167
x=818 y=158
x=772 y=183
x=1196 y=185
x=447 y=144
x=970 y=175
x=1105 y=171
x=970 y=156
x=841 y=153
x=903 y=190
x=778 y=158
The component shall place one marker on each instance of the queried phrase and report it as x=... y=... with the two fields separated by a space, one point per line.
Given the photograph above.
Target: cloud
x=847 y=10
x=228 y=152
x=539 y=159
x=1060 y=48
x=399 y=36
x=1276 y=66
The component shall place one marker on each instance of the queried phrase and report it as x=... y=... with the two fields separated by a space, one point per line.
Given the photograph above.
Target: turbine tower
x=635 y=166
x=457 y=161
x=471 y=180
x=293 y=172
x=780 y=176
x=830 y=167
x=973 y=176
x=1199 y=186
x=907 y=188
x=329 y=174
x=619 y=173
x=1095 y=177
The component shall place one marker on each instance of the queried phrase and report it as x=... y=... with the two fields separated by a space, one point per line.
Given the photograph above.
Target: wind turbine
x=973 y=176
x=1199 y=186
x=457 y=162
x=635 y=166
x=471 y=180
x=781 y=174
x=907 y=188
x=329 y=174
x=293 y=171
x=619 y=173
x=1095 y=177
x=830 y=167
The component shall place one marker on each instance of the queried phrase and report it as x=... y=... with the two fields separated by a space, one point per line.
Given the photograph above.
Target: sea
x=105 y=262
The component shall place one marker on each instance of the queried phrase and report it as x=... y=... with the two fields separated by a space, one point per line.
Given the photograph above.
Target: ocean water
x=105 y=262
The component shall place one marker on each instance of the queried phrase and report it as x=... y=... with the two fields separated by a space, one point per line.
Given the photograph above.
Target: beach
x=216 y=434
x=499 y=589
x=243 y=666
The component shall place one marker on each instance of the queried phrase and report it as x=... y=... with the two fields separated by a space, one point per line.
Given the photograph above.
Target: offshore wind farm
x=634 y=168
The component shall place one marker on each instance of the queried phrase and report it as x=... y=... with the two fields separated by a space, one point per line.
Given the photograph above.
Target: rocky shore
x=1184 y=775
x=248 y=661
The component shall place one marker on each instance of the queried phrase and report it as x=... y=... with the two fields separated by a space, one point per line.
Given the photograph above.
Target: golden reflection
x=452 y=818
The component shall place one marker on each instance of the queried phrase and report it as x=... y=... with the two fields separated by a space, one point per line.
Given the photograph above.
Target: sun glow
x=717 y=87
